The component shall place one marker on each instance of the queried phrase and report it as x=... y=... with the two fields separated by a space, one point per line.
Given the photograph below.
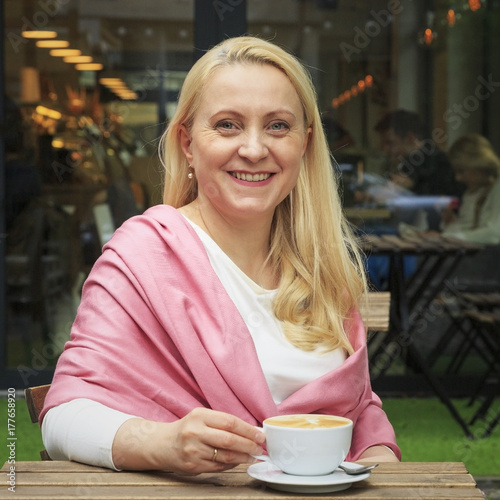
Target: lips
x=250 y=177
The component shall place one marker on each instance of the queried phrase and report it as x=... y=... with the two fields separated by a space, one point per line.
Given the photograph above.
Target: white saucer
x=278 y=480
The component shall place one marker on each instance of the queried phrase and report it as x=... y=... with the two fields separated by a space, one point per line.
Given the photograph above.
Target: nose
x=253 y=147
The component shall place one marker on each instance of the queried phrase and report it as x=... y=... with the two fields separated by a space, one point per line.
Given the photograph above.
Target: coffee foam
x=307 y=421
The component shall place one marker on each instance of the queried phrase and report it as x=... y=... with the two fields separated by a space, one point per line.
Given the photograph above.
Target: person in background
x=477 y=166
x=416 y=163
x=234 y=301
x=23 y=183
x=337 y=136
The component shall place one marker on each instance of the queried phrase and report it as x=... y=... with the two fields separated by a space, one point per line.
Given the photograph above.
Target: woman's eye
x=225 y=125
x=278 y=126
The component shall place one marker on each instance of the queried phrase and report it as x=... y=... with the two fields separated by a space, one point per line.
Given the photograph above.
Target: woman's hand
x=378 y=454
x=188 y=445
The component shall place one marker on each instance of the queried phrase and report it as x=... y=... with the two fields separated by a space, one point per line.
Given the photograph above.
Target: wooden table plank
x=387 y=468
x=255 y=491
x=60 y=480
x=400 y=243
x=374 y=310
x=172 y=480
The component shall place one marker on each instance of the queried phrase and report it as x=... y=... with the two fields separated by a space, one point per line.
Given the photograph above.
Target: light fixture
x=39 y=34
x=354 y=91
x=451 y=17
x=89 y=67
x=474 y=5
x=65 y=52
x=118 y=88
x=110 y=81
x=428 y=36
x=52 y=44
x=128 y=96
x=51 y=113
x=78 y=59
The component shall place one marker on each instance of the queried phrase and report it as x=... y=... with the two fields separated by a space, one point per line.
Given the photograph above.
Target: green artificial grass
x=425 y=431
x=29 y=439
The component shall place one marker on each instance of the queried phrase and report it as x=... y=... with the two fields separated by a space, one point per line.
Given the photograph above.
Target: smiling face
x=247 y=140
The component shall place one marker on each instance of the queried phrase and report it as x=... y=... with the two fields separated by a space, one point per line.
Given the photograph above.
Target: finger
x=234 y=425
x=228 y=458
x=234 y=439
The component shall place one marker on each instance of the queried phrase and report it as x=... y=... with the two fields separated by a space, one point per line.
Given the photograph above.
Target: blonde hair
x=473 y=151
x=311 y=246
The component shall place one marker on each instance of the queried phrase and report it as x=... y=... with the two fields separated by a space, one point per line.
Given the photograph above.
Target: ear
x=185 y=141
x=306 y=140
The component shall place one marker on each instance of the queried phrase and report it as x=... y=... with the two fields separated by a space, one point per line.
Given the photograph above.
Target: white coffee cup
x=307 y=445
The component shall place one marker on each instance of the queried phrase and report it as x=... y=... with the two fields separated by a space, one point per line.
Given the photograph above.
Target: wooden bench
x=35 y=399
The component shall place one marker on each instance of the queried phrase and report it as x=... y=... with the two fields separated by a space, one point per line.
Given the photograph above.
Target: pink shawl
x=156 y=335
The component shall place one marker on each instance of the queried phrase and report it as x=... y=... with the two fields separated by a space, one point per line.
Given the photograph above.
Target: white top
x=83 y=430
x=487 y=231
x=286 y=367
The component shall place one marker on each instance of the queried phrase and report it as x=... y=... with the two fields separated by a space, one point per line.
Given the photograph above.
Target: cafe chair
x=487 y=324
x=474 y=285
x=374 y=311
x=35 y=399
x=462 y=337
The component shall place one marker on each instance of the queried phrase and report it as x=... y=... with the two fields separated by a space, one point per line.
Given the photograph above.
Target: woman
x=234 y=301
x=477 y=166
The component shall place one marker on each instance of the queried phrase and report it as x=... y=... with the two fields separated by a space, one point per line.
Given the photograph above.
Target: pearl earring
x=191 y=172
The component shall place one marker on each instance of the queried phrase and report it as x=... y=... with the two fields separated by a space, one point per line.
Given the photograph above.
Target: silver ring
x=214 y=458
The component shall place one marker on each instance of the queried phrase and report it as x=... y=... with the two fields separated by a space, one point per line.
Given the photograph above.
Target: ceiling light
x=65 y=52
x=89 y=67
x=52 y=44
x=78 y=59
x=39 y=34
x=111 y=81
x=51 y=113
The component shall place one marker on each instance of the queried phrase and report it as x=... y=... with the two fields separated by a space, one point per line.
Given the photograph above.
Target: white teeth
x=250 y=177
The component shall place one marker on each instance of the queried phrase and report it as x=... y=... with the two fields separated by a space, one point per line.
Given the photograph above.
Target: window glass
x=81 y=140
x=81 y=151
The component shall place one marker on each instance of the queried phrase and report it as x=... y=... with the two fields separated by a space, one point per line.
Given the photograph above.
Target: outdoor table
x=58 y=480
x=437 y=259
x=359 y=215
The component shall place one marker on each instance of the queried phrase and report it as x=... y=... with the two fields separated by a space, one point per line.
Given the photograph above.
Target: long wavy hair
x=321 y=272
x=474 y=151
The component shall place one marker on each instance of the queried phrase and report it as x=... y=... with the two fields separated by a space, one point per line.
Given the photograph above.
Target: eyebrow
x=279 y=111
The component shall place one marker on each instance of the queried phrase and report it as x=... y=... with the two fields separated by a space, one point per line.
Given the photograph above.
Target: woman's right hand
x=188 y=445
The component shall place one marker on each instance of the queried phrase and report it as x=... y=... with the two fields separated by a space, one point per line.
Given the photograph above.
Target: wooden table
x=61 y=480
x=359 y=215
